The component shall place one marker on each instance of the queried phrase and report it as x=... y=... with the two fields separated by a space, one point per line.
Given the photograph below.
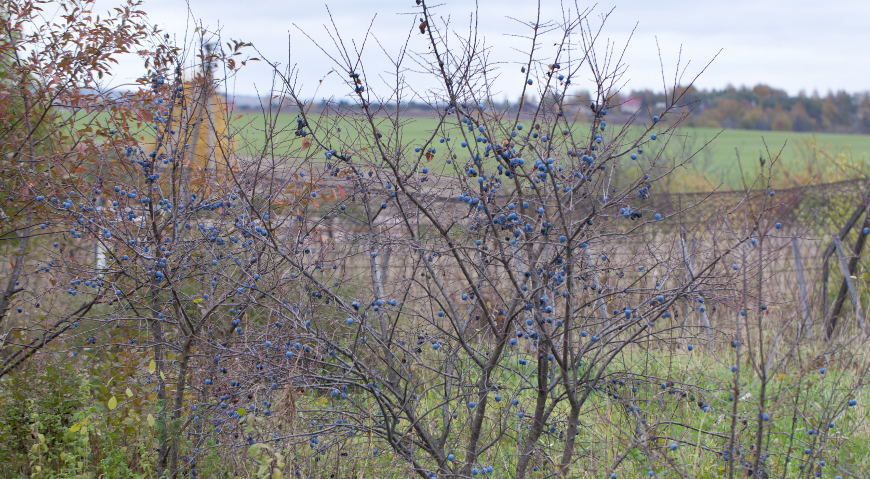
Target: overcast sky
x=791 y=44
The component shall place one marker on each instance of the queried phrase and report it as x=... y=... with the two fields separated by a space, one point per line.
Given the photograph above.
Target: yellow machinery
x=210 y=148
x=202 y=132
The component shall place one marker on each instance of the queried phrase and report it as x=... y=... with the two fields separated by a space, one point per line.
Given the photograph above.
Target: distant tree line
x=762 y=107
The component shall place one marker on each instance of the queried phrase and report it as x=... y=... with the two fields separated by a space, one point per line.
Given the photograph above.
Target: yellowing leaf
x=150 y=420
x=241 y=412
x=75 y=427
x=113 y=403
x=197 y=300
x=162 y=376
x=129 y=393
x=152 y=366
x=323 y=400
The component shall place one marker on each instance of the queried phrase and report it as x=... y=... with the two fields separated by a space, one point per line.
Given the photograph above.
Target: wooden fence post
x=705 y=322
x=602 y=308
x=847 y=275
x=808 y=323
x=850 y=223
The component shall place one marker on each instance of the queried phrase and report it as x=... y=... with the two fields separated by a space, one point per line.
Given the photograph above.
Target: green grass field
x=798 y=153
x=804 y=157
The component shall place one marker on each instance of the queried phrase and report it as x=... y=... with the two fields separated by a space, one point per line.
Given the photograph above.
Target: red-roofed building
x=630 y=106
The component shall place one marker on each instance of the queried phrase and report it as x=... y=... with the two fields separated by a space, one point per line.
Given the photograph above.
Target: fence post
x=830 y=251
x=705 y=322
x=808 y=323
x=847 y=275
x=602 y=308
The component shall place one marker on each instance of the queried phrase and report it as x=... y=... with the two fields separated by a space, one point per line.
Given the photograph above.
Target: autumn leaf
x=423 y=25
x=429 y=156
x=152 y=366
x=112 y=404
x=75 y=427
x=129 y=393
x=306 y=143
x=150 y=420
